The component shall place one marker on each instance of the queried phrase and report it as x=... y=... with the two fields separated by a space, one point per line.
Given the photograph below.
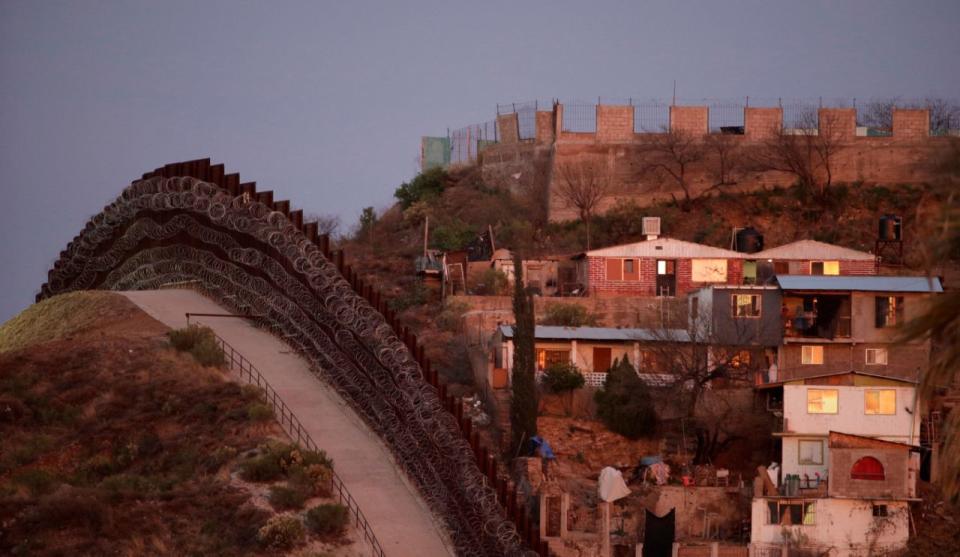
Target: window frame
x=879 y=393
x=807 y=509
x=758 y=304
x=887 y=316
x=800 y=459
x=877 y=351
x=836 y=393
x=814 y=349
x=825 y=265
x=544 y=362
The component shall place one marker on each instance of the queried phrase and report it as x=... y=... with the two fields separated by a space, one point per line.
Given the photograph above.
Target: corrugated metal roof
x=812 y=249
x=551 y=332
x=667 y=248
x=863 y=283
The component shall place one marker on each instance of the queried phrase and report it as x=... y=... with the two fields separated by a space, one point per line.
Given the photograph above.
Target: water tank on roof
x=749 y=240
x=890 y=228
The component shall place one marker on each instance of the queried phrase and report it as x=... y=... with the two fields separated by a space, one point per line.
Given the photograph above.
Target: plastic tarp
x=611 y=485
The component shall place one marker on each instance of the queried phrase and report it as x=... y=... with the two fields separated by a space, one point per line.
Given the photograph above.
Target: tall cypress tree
x=523 y=403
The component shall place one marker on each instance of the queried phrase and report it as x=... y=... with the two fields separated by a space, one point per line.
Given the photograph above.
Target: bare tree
x=670 y=156
x=944 y=113
x=725 y=159
x=808 y=152
x=327 y=223
x=583 y=186
x=878 y=113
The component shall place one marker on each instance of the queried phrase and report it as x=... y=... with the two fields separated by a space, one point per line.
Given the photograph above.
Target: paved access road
x=399 y=517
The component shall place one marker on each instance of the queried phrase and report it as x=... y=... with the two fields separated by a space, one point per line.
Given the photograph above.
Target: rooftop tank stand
x=889 y=246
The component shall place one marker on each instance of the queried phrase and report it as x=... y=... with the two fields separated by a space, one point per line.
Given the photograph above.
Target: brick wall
x=690 y=119
x=545 y=128
x=903 y=360
x=911 y=123
x=840 y=122
x=761 y=123
x=614 y=123
x=847 y=266
x=509 y=128
x=646 y=284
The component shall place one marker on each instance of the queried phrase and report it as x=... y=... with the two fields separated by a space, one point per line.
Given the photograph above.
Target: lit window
x=811 y=451
x=880 y=401
x=822 y=401
x=824 y=267
x=876 y=356
x=867 y=468
x=791 y=513
x=746 y=305
x=811 y=355
x=546 y=358
x=665 y=267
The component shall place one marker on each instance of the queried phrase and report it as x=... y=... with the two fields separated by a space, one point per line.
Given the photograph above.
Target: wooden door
x=601 y=360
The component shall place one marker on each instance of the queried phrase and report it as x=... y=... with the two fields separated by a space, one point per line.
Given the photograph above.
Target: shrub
x=452 y=236
x=280 y=459
x=259 y=412
x=200 y=342
x=564 y=377
x=326 y=519
x=287 y=497
x=416 y=295
x=624 y=403
x=38 y=482
x=449 y=319
x=426 y=185
x=568 y=315
x=492 y=283
x=281 y=532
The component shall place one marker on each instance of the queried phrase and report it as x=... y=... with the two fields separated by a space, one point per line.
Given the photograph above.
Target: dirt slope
x=114 y=443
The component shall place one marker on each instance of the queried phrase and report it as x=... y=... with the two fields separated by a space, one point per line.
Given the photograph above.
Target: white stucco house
x=849 y=467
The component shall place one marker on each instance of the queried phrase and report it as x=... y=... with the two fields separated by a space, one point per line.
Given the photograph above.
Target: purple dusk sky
x=325 y=102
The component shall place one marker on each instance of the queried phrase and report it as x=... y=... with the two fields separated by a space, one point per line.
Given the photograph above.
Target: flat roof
x=553 y=332
x=868 y=283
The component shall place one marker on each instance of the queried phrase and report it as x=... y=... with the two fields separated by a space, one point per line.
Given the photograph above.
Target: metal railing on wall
x=291 y=424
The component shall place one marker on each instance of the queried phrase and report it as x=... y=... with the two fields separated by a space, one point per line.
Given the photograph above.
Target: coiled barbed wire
x=253 y=259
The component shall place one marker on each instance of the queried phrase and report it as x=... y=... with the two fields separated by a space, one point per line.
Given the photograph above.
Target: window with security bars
x=746 y=305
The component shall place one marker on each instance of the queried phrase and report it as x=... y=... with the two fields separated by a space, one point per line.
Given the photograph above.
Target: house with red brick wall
x=662 y=267
x=810 y=257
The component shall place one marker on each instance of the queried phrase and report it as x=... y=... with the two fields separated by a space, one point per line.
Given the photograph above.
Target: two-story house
x=839 y=324
x=848 y=469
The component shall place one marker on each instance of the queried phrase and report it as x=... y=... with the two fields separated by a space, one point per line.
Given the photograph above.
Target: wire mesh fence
x=579 y=117
x=467 y=142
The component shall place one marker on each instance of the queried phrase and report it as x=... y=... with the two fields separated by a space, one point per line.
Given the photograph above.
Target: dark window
x=781 y=268
x=867 y=468
x=879 y=510
x=816 y=268
x=666 y=278
x=889 y=311
x=627 y=266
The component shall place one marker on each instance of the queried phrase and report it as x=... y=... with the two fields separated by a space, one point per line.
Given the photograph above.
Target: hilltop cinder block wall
x=890 y=160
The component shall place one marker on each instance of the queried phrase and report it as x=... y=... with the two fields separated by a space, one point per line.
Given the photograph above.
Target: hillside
x=460 y=206
x=116 y=443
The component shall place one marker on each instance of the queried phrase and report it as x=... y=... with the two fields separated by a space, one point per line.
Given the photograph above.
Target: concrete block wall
x=839 y=122
x=545 y=128
x=895 y=471
x=614 y=123
x=694 y=120
x=509 y=128
x=762 y=123
x=911 y=123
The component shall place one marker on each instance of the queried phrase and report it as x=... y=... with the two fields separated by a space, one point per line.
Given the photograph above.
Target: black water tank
x=890 y=228
x=749 y=240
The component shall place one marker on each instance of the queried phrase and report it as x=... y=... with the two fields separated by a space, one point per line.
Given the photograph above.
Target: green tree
x=523 y=402
x=368 y=218
x=568 y=315
x=624 y=403
x=426 y=185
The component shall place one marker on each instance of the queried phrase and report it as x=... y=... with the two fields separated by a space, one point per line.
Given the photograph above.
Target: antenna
x=674 y=101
